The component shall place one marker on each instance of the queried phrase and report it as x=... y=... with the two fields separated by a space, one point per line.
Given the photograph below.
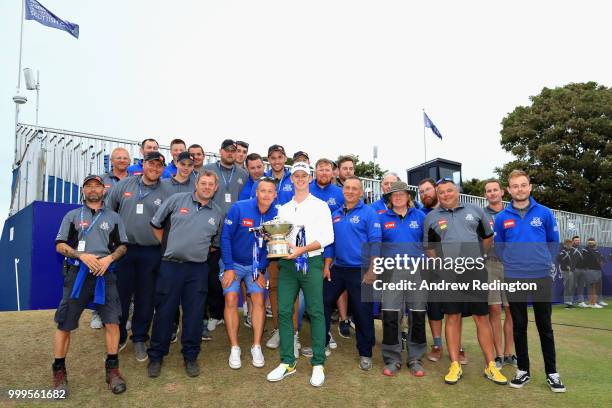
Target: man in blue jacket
x=526 y=240
x=243 y=262
x=322 y=187
x=355 y=225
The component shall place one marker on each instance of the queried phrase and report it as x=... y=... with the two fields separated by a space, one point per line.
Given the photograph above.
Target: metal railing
x=51 y=163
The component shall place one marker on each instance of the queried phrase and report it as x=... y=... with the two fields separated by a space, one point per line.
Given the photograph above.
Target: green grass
x=583 y=359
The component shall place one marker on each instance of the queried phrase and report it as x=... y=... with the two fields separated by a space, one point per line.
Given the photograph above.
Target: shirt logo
x=377 y=225
x=247 y=222
x=137 y=173
x=331 y=201
x=127 y=194
x=536 y=222
x=84 y=224
x=107 y=186
x=228 y=221
x=104 y=226
x=390 y=225
x=491 y=223
x=469 y=217
x=211 y=221
x=442 y=223
x=509 y=224
x=240 y=181
x=355 y=219
x=184 y=210
x=414 y=224
x=337 y=218
x=381 y=211
x=157 y=202
x=287 y=187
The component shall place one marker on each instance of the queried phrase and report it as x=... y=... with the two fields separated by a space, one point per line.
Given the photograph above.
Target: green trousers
x=289 y=283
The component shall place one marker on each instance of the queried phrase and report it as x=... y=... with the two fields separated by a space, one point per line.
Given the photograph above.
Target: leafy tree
x=368 y=170
x=473 y=187
x=563 y=140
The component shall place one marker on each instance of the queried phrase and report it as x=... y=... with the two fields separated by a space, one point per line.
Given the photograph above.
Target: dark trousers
x=349 y=279
x=216 y=301
x=542 y=311
x=136 y=275
x=179 y=283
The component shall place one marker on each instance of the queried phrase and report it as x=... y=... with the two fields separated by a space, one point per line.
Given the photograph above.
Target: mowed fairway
x=583 y=359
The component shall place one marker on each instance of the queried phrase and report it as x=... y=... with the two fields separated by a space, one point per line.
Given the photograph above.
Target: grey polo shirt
x=110 y=180
x=136 y=203
x=103 y=230
x=457 y=232
x=189 y=227
x=172 y=186
x=231 y=181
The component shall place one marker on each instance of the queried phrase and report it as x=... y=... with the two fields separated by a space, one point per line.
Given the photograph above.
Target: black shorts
x=469 y=302
x=69 y=310
x=466 y=308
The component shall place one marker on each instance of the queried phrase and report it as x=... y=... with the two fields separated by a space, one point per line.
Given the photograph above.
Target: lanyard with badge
x=226 y=183
x=81 y=246
x=141 y=196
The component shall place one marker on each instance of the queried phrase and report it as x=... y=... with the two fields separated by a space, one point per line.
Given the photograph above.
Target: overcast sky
x=327 y=77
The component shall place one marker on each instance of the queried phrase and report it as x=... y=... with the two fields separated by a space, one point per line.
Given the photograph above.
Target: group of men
x=178 y=240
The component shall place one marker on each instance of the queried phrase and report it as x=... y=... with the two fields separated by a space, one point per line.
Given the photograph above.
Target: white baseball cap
x=300 y=166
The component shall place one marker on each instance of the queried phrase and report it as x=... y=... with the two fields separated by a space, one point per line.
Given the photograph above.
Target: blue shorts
x=243 y=272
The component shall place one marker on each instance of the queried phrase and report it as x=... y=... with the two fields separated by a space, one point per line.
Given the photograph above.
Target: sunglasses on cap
x=267 y=178
x=445 y=180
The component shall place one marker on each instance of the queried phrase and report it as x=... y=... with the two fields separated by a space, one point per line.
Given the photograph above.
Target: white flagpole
x=19 y=75
x=424 y=139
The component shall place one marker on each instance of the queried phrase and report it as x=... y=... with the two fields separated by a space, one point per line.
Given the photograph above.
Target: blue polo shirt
x=380 y=206
x=236 y=240
x=331 y=194
x=526 y=242
x=353 y=228
x=284 y=188
x=405 y=232
x=136 y=170
x=245 y=194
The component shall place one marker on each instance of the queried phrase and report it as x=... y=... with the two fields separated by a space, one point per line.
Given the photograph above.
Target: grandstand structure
x=48 y=169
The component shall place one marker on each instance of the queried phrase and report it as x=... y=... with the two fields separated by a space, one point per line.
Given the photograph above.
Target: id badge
x=139 y=208
x=228 y=198
x=81 y=246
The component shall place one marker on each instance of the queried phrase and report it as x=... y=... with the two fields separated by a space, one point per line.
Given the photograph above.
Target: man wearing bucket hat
x=303 y=269
x=91 y=238
x=402 y=231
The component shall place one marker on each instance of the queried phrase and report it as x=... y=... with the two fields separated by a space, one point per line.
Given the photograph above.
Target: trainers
x=269 y=311
x=274 y=340
x=595 y=306
x=96 y=320
x=554 y=382
x=213 y=323
x=154 y=368
x=416 y=368
x=247 y=322
x=60 y=381
x=307 y=351
x=463 y=357
x=454 y=373
x=115 y=381
x=206 y=334
x=510 y=360
x=435 y=354
x=234 y=358
x=318 y=376
x=327 y=351
x=258 y=357
x=121 y=347
x=280 y=372
x=582 y=304
x=602 y=303
x=391 y=370
x=332 y=343
x=192 y=368
x=520 y=379
x=492 y=373
x=344 y=328
x=296 y=345
x=365 y=363
x=245 y=309
x=140 y=351
x=499 y=362
x=174 y=336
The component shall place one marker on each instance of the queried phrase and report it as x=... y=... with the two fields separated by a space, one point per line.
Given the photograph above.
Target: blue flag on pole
x=36 y=11
x=429 y=124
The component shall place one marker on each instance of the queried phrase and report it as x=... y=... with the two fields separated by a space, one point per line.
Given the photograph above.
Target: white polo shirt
x=315 y=216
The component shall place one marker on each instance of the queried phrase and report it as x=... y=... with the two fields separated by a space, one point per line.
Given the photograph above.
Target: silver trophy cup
x=276 y=232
